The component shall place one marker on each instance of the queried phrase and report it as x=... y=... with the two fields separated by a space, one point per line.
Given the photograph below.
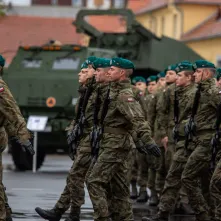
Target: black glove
x=27 y=146
x=151 y=149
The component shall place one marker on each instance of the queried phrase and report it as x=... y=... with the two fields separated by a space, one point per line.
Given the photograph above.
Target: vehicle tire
x=23 y=160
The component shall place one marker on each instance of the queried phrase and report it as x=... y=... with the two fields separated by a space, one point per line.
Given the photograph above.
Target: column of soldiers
x=12 y=128
x=171 y=125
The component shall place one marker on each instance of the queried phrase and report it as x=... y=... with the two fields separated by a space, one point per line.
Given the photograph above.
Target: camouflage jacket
x=206 y=113
x=89 y=112
x=124 y=114
x=153 y=113
x=165 y=105
x=11 y=118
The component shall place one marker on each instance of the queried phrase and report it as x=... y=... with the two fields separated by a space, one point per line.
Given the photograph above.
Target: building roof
x=106 y=23
x=154 y=5
x=209 y=28
x=25 y=30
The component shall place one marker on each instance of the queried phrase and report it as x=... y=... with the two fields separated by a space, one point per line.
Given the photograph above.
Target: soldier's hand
x=153 y=149
x=27 y=146
x=164 y=142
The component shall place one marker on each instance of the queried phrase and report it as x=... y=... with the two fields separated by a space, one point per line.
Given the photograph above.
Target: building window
x=64 y=2
x=41 y=2
x=77 y=3
x=175 y=24
x=162 y=25
x=118 y=3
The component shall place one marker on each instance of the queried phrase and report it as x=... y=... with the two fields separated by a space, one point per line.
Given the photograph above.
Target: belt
x=115 y=130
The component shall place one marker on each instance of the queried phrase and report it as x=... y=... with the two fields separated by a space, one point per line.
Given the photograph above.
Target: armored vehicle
x=150 y=53
x=44 y=79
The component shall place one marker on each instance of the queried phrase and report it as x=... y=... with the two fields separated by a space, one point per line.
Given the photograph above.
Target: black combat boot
x=74 y=214
x=133 y=194
x=51 y=214
x=154 y=200
x=143 y=197
x=160 y=216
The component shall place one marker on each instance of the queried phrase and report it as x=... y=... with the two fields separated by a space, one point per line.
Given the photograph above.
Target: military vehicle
x=44 y=79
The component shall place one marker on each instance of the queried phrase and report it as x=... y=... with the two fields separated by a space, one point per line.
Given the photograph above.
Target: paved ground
x=26 y=190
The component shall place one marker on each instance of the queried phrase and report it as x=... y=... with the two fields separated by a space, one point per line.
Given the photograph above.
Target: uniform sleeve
x=14 y=122
x=152 y=112
x=132 y=111
x=162 y=119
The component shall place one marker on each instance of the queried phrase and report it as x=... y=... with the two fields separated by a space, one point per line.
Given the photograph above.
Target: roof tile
x=22 y=30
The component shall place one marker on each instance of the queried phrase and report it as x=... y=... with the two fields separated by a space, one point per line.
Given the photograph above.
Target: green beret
x=218 y=73
x=171 y=68
x=161 y=75
x=184 y=66
x=203 y=64
x=101 y=63
x=90 y=59
x=122 y=63
x=152 y=78
x=84 y=65
x=138 y=79
x=2 y=61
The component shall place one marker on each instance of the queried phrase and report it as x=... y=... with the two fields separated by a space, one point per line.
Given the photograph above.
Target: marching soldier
x=218 y=78
x=201 y=127
x=139 y=83
x=124 y=114
x=13 y=125
x=73 y=194
x=185 y=89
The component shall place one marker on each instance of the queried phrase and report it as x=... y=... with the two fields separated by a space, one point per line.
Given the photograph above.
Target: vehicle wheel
x=23 y=160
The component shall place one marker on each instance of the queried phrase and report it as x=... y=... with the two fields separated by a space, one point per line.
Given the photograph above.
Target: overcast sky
x=18 y=2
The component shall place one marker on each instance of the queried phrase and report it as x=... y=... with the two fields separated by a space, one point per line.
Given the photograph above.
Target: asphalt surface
x=27 y=190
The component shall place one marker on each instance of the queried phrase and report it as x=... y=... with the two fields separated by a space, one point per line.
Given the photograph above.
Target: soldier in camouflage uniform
x=145 y=161
x=198 y=163
x=185 y=90
x=80 y=164
x=156 y=170
x=14 y=124
x=124 y=114
x=139 y=89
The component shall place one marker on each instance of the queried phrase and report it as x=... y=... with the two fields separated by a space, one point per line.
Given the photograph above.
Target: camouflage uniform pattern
x=83 y=158
x=15 y=125
x=144 y=161
x=215 y=190
x=124 y=114
x=198 y=162
x=173 y=178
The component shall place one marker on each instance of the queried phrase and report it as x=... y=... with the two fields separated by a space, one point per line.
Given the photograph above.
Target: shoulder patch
x=1 y=89
x=130 y=99
x=141 y=93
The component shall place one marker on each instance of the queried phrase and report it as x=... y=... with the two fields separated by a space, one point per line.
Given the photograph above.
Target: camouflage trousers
x=2 y=194
x=144 y=162
x=74 y=193
x=197 y=168
x=133 y=165
x=215 y=191
x=110 y=173
x=173 y=183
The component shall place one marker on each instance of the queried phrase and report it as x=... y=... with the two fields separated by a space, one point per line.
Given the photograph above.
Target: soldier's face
x=141 y=86
x=181 y=79
x=90 y=71
x=152 y=86
x=201 y=74
x=170 y=76
x=115 y=73
x=101 y=75
x=83 y=76
x=161 y=82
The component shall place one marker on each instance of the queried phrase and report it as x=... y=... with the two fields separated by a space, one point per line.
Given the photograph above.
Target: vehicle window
x=31 y=63
x=66 y=64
